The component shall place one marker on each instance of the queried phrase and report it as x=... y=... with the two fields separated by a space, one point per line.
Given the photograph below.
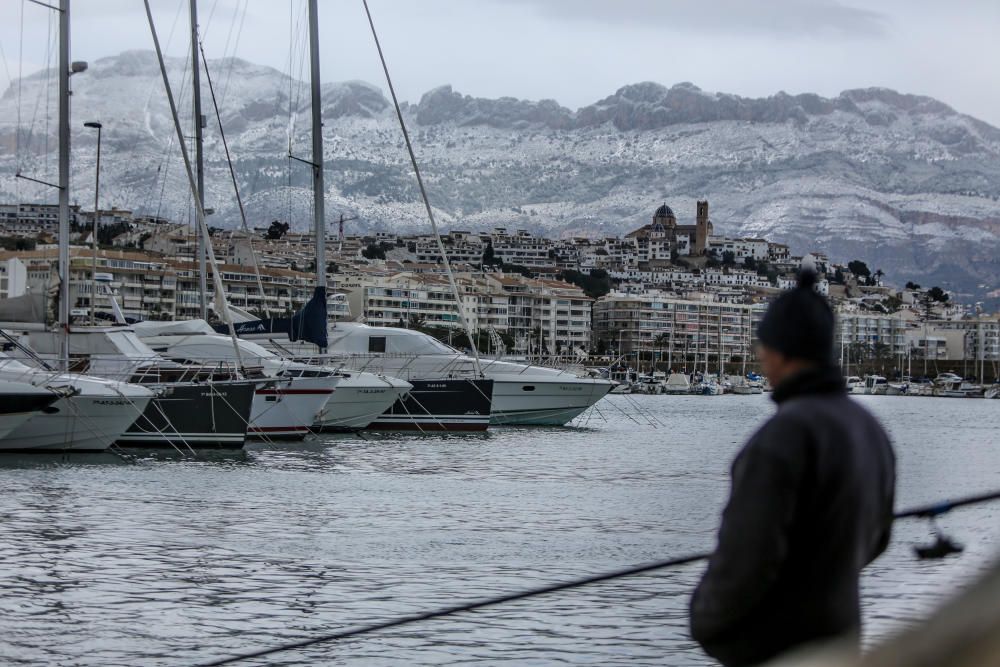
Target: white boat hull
x=360 y=399
x=287 y=409
x=542 y=401
x=81 y=423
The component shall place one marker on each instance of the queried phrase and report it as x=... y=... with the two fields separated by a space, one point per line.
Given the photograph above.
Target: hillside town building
x=679 y=293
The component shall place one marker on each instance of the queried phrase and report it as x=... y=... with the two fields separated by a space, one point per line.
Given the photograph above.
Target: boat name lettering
x=111 y=402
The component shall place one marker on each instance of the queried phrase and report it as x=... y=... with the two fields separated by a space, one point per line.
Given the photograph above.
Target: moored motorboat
x=91 y=414
x=284 y=407
x=192 y=408
x=876 y=385
x=854 y=384
x=677 y=384
x=19 y=401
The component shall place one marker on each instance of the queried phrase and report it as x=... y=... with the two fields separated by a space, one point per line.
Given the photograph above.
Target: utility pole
x=199 y=125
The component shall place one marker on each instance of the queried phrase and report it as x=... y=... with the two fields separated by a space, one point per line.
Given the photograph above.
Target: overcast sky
x=574 y=51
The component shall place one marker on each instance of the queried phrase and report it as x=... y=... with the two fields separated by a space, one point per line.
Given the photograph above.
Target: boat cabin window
x=376 y=343
x=528 y=387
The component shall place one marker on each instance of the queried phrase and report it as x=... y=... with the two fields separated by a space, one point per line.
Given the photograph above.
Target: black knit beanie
x=799 y=323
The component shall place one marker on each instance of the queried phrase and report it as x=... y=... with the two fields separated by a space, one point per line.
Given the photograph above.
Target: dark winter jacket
x=811 y=505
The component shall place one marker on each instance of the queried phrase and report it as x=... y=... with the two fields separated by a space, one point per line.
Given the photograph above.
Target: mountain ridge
x=902 y=181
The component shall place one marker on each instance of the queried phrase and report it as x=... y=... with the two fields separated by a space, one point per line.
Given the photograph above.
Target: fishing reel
x=941 y=547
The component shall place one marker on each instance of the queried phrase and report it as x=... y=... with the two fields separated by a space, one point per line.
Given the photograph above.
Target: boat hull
x=205 y=416
x=286 y=409
x=19 y=402
x=527 y=401
x=359 y=400
x=440 y=405
x=77 y=423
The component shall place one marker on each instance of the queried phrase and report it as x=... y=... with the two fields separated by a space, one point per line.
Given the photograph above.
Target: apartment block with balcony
x=678 y=331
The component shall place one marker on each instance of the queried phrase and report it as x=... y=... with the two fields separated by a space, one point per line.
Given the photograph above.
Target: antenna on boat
x=423 y=192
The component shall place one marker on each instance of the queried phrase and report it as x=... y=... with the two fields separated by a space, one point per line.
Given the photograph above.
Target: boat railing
x=401 y=365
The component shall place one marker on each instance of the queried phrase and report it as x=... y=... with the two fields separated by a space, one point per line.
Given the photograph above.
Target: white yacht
x=876 y=385
x=193 y=407
x=950 y=385
x=854 y=384
x=677 y=384
x=90 y=415
x=747 y=385
x=301 y=396
x=522 y=394
x=19 y=402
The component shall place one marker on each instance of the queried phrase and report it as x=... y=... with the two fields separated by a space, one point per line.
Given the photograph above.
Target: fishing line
x=926 y=511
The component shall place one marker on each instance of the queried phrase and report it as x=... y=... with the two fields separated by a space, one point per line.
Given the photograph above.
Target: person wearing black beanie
x=810 y=506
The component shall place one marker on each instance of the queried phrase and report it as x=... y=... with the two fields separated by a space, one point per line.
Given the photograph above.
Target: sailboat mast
x=199 y=124
x=64 y=272
x=319 y=216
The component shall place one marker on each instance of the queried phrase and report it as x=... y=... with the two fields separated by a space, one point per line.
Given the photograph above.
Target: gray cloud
x=790 y=18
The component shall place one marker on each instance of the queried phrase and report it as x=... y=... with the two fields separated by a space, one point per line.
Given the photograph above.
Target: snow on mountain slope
x=902 y=181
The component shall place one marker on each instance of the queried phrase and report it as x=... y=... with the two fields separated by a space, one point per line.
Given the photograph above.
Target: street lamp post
x=97 y=187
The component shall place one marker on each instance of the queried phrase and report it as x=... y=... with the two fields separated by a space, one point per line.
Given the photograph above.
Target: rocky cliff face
x=902 y=181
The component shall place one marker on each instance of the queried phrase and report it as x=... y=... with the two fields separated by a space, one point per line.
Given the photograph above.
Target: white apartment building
x=758 y=249
x=871 y=331
x=32 y=219
x=681 y=332
x=13 y=278
x=520 y=248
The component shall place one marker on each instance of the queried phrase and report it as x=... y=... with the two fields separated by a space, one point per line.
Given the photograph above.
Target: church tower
x=703 y=228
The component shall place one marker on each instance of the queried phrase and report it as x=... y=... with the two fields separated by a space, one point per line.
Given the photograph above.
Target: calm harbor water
x=173 y=562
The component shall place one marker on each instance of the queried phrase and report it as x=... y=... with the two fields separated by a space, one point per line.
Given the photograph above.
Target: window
x=376 y=343
x=528 y=387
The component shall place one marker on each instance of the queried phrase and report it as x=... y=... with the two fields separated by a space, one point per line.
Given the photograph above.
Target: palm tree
x=661 y=339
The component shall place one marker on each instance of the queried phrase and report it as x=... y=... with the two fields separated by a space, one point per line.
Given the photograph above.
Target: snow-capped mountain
x=901 y=181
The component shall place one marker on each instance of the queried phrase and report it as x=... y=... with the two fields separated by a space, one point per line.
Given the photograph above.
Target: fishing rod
x=942 y=547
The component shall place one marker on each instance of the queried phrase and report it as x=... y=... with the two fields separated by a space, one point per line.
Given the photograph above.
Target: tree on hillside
x=489 y=256
x=594 y=285
x=912 y=285
x=938 y=294
x=373 y=251
x=276 y=230
x=860 y=270
x=728 y=258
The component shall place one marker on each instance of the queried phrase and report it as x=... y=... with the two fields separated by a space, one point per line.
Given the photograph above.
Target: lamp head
x=93 y=123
